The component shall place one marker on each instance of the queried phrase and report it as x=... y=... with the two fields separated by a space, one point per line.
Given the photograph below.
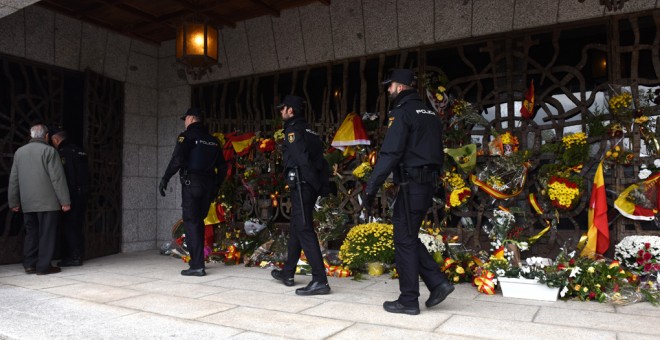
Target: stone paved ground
x=142 y=296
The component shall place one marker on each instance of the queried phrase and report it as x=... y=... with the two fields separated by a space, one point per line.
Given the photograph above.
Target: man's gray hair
x=38 y=131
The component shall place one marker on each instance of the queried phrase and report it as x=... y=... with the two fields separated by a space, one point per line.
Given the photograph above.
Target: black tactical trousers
x=196 y=195
x=302 y=235
x=73 y=223
x=411 y=257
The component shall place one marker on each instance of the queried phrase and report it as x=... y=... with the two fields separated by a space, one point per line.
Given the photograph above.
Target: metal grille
x=565 y=63
x=32 y=94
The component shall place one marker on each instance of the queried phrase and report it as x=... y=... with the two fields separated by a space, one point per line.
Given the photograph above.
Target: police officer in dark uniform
x=412 y=149
x=307 y=174
x=198 y=158
x=76 y=170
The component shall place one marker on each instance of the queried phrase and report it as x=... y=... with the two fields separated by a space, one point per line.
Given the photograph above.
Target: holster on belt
x=185 y=177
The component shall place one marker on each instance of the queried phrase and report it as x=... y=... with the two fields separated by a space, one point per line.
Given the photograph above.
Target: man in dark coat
x=76 y=169
x=198 y=158
x=412 y=149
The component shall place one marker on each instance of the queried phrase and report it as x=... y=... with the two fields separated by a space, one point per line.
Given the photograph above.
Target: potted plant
x=536 y=279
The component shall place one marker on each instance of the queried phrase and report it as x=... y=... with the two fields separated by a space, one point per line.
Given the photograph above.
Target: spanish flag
x=241 y=143
x=598 y=235
x=351 y=132
x=527 y=109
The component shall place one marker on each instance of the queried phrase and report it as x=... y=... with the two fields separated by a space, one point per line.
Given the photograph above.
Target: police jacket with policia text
x=414 y=138
x=302 y=147
x=197 y=153
x=76 y=168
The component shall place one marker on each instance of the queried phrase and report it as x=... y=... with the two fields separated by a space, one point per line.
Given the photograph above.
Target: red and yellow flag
x=527 y=109
x=241 y=143
x=598 y=235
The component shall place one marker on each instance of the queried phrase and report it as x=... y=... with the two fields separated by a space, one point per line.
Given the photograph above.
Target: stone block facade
x=157 y=89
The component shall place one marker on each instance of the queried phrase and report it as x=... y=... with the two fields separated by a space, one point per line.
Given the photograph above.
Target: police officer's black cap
x=193 y=111
x=292 y=101
x=401 y=76
x=53 y=130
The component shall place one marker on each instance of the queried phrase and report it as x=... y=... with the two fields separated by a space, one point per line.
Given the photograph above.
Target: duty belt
x=423 y=174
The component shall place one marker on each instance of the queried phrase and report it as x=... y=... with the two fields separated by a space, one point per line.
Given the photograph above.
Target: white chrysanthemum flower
x=656 y=163
x=644 y=173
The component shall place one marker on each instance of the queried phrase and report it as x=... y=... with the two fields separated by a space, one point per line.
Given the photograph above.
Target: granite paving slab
x=288 y=325
x=189 y=290
x=470 y=326
x=109 y=279
x=486 y=309
x=377 y=332
x=93 y=292
x=354 y=312
x=32 y=281
x=598 y=320
x=266 y=285
x=175 y=306
x=280 y=302
x=151 y=326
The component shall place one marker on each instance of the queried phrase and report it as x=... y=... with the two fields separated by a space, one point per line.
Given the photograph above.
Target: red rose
x=571 y=262
x=647 y=267
x=640 y=252
x=561 y=266
x=592 y=295
x=647 y=256
x=647 y=245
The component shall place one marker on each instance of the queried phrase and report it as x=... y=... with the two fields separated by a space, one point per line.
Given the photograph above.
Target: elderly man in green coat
x=37 y=186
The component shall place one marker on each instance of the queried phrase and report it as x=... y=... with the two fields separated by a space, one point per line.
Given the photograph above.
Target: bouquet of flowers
x=330 y=219
x=435 y=83
x=564 y=186
x=266 y=145
x=458 y=192
x=433 y=243
x=460 y=267
x=504 y=145
x=575 y=149
x=591 y=280
x=363 y=171
x=639 y=253
x=370 y=242
x=563 y=193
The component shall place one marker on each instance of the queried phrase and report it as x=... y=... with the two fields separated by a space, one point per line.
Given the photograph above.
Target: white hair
x=38 y=131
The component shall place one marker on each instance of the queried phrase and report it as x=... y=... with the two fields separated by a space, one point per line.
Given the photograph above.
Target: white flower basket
x=527 y=289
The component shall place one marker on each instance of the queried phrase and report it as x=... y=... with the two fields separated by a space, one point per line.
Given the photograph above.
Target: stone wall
x=317 y=33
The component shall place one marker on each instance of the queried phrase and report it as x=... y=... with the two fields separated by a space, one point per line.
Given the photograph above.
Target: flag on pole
x=598 y=235
x=527 y=109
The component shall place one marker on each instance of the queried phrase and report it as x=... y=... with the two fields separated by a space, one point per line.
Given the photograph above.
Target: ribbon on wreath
x=496 y=193
x=485 y=282
x=535 y=204
x=535 y=238
x=336 y=271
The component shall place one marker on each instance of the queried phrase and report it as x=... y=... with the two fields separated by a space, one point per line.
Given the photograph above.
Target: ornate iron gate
x=32 y=94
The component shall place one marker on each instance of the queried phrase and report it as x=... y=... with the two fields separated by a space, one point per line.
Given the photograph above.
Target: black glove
x=162 y=187
x=368 y=203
